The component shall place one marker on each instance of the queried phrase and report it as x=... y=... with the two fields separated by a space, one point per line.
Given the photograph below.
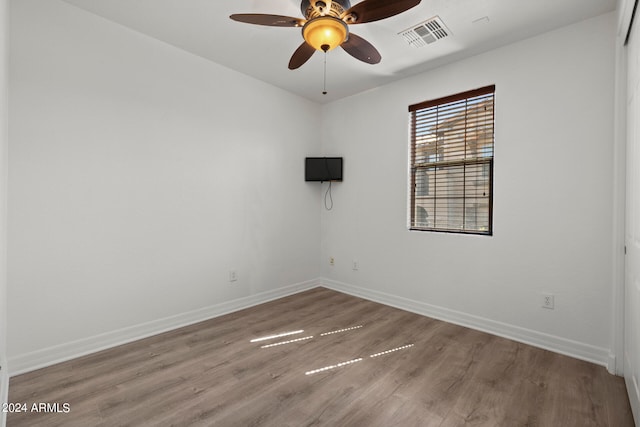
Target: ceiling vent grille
x=426 y=32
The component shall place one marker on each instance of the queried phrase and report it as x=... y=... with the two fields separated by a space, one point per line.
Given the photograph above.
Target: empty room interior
x=291 y=213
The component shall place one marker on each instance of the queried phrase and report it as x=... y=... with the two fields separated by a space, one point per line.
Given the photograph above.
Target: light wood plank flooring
x=212 y=374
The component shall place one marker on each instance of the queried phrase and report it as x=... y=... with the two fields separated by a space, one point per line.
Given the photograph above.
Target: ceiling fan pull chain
x=324 y=87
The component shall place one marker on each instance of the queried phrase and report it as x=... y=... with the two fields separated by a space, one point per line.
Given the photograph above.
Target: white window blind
x=451 y=162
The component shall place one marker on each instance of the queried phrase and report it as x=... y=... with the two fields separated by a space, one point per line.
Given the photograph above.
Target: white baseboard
x=578 y=350
x=63 y=352
x=613 y=365
x=4 y=392
x=633 y=389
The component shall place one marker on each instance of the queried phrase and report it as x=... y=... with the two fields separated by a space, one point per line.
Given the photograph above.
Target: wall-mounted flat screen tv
x=323 y=169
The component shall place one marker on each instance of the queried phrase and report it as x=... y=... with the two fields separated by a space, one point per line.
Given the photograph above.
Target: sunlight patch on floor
x=340 y=330
x=283 y=334
x=338 y=365
x=275 y=344
x=382 y=353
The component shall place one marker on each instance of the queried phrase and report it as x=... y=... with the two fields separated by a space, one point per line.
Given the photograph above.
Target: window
x=451 y=162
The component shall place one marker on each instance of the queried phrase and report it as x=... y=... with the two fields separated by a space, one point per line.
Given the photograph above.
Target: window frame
x=447 y=164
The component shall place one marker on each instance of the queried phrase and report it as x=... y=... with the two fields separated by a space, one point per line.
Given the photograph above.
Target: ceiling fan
x=326 y=26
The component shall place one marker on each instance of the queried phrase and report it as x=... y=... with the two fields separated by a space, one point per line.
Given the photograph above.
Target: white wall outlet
x=233 y=275
x=355 y=265
x=332 y=261
x=548 y=301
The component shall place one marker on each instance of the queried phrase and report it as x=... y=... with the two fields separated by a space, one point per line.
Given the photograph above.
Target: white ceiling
x=203 y=27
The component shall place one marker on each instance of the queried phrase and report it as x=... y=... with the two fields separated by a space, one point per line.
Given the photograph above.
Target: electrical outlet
x=233 y=275
x=355 y=265
x=548 y=301
x=332 y=261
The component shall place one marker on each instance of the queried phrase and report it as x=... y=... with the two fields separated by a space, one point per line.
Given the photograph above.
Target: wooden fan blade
x=269 y=20
x=361 y=49
x=301 y=55
x=374 y=10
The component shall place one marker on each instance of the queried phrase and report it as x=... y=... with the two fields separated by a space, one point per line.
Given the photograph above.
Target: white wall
x=4 y=133
x=139 y=176
x=552 y=201
x=632 y=226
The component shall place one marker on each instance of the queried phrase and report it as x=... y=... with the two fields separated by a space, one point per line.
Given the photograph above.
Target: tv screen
x=323 y=169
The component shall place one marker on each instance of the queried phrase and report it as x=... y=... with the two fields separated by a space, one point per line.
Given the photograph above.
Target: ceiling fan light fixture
x=325 y=33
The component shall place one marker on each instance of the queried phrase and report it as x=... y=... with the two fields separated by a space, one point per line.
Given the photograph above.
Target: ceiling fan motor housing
x=314 y=8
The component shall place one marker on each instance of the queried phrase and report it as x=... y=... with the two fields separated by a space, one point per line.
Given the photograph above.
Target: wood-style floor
x=212 y=374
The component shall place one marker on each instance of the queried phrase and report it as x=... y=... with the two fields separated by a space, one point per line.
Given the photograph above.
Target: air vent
x=426 y=32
